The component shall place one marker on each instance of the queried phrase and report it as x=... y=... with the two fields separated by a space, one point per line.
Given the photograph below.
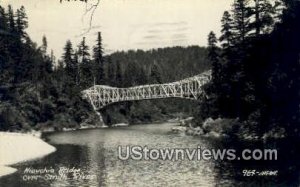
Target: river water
x=94 y=153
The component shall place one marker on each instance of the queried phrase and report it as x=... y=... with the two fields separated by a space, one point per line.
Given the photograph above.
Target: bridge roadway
x=190 y=88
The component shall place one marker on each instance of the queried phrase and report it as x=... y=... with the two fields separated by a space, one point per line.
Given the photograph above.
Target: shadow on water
x=95 y=152
x=287 y=164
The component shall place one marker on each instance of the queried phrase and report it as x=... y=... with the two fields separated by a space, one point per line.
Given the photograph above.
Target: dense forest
x=255 y=64
x=256 y=67
x=40 y=92
x=139 y=67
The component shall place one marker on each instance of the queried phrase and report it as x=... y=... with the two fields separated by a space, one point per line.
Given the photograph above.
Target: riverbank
x=18 y=147
x=222 y=128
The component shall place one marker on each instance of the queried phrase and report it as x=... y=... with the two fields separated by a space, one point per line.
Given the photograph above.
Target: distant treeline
x=139 y=67
x=39 y=92
x=255 y=65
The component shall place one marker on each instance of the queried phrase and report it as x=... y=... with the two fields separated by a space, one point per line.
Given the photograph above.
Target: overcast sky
x=125 y=24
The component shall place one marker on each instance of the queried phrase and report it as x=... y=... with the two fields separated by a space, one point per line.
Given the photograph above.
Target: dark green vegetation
x=256 y=71
x=38 y=92
x=124 y=69
x=255 y=63
x=33 y=93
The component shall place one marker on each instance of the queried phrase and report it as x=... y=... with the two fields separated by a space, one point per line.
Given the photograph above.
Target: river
x=94 y=152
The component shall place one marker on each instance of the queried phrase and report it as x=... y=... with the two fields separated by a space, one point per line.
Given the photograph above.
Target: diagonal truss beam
x=190 y=88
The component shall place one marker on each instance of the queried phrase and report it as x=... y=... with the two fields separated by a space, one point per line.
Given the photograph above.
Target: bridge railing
x=190 y=88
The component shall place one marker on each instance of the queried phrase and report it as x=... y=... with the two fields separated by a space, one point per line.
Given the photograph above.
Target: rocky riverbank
x=222 y=128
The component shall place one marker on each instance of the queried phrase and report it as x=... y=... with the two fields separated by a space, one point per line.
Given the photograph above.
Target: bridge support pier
x=101 y=119
x=100 y=96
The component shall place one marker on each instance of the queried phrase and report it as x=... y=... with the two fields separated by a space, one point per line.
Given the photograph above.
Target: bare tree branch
x=91 y=9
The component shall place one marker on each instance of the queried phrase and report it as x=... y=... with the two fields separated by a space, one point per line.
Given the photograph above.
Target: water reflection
x=95 y=153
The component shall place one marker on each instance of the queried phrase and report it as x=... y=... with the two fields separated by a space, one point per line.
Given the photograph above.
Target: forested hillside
x=32 y=93
x=40 y=91
x=256 y=71
x=124 y=69
x=255 y=65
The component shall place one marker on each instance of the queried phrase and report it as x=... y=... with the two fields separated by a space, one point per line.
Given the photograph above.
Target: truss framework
x=190 y=88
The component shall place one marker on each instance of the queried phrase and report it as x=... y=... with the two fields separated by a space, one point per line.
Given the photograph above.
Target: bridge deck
x=190 y=88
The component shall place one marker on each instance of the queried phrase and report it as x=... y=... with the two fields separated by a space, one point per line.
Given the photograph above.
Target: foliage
x=38 y=92
x=35 y=93
x=258 y=67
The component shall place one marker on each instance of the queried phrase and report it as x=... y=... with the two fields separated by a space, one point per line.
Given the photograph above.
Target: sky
x=124 y=24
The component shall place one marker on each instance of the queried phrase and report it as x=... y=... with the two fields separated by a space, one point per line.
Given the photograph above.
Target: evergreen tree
x=60 y=65
x=227 y=33
x=86 y=68
x=263 y=12
x=44 y=45
x=52 y=58
x=279 y=90
x=32 y=92
x=68 y=54
x=213 y=56
x=227 y=55
x=21 y=23
x=130 y=74
x=155 y=74
x=241 y=20
x=83 y=51
x=3 y=22
x=76 y=68
x=98 y=60
x=215 y=87
x=11 y=20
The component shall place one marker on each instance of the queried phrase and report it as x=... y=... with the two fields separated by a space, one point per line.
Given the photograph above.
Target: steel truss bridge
x=190 y=88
